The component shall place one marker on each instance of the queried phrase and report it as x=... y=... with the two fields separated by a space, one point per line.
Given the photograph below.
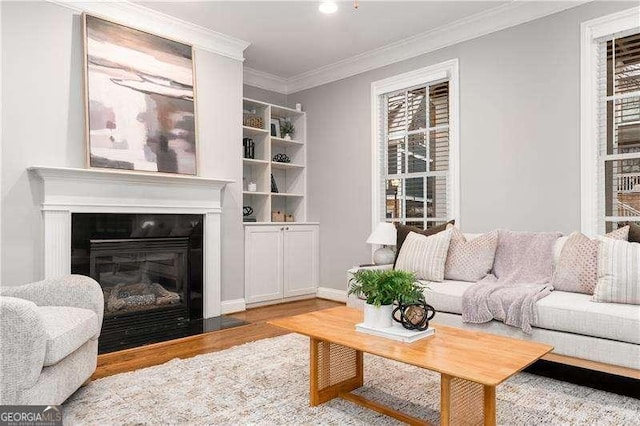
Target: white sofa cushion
x=67 y=329
x=576 y=313
x=446 y=296
x=561 y=311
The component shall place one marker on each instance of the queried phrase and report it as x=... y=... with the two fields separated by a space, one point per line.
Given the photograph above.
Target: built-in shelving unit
x=290 y=178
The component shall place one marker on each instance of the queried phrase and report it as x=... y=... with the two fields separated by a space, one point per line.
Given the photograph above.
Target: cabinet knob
x=282 y=229
x=287 y=228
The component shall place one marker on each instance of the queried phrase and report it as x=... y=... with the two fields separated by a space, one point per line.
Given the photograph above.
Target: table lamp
x=385 y=235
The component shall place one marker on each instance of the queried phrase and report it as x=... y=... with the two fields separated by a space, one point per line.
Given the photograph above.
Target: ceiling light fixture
x=328 y=7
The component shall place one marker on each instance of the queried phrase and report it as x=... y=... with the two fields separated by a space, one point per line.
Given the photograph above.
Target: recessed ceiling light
x=328 y=7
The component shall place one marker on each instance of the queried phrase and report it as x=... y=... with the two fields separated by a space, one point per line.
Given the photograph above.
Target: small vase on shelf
x=287 y=137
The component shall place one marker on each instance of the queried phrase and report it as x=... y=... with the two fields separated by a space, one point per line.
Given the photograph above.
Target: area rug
x=266 y=383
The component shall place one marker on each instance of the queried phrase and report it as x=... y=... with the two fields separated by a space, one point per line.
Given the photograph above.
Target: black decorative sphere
x=247 y=211
x=414 y=316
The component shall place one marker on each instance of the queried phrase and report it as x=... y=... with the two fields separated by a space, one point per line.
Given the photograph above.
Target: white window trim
x=590 y=220
x=448 y=69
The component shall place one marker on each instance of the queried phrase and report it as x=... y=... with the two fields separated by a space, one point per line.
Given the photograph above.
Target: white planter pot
x=378 y=316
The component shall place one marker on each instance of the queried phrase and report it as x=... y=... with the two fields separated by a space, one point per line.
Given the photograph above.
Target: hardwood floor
x=159 y=353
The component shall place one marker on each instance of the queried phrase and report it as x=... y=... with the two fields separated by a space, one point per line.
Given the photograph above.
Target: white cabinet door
x=263 y=263
x=301 y=267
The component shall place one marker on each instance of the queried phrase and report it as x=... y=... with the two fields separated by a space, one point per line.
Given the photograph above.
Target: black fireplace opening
x=150 y=268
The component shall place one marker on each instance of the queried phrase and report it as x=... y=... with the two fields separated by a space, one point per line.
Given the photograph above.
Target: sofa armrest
x=23 y=347
x=352 y=300
x=70 y=290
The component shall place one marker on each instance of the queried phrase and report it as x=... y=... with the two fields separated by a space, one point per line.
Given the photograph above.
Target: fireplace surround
x=65 y=192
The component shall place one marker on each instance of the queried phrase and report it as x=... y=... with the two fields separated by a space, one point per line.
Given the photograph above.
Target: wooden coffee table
x=471 y=363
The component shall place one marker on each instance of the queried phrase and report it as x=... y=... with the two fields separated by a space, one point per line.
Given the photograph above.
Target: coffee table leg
x=465 y=402
x=334 y=369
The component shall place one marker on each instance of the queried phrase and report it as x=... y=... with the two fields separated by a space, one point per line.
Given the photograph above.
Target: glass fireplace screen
x=140 y=274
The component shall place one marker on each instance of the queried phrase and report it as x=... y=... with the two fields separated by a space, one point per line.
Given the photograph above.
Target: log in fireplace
x=150 y=270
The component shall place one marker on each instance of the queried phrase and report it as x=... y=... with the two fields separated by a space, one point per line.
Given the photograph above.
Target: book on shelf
x=396 y=332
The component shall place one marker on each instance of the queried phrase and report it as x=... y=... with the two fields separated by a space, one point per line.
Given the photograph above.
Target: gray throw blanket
x=522 y=269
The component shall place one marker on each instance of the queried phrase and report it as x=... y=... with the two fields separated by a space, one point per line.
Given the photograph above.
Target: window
x=415 y=179
x=619 y=129
x=611 y=122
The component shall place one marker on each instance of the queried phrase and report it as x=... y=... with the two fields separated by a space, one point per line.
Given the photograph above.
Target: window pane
x=417 y=153
x=394 y=198
x=623 y=126
x=625 y=65
x=622 y=180
x=417 y=108
x=439 y=150
x=415 y=197
x=439 y=104
x=416 y=223
x=395 y=157
x=437 y=197
x=396 y=119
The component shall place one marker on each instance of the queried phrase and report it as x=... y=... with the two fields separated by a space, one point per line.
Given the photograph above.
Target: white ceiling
x=289 y=38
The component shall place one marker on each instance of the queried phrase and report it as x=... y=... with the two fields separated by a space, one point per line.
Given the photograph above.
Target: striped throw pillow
x=618 y=272
x=425 y=256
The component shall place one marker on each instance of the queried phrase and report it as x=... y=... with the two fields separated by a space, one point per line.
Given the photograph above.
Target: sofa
x=49 y=339
x=601 y=336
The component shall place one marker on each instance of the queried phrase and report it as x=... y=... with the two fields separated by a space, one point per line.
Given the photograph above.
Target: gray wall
x=43 y=124
x=519 y=137
x=263 y=95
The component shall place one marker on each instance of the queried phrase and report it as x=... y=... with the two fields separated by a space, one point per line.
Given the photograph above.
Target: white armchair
x=48 y=339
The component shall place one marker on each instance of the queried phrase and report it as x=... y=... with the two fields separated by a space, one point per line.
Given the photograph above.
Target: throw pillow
x=403 y=230
x=576 y=270
x=620 y=233
x=425 y=256
x=470 y=260
x=634 y=232
x=618 y=272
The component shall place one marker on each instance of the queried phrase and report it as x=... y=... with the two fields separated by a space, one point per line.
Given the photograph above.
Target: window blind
x=415 y=155
x=618 y=130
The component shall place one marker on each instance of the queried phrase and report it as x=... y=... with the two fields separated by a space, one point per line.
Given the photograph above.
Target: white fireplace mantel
x=72 y=190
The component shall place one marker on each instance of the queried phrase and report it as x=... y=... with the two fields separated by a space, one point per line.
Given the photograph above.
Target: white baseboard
x=231 y=306
x=332 y=294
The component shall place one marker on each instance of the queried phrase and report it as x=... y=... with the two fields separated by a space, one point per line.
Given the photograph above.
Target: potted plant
x=380 y=289
x=287 y=129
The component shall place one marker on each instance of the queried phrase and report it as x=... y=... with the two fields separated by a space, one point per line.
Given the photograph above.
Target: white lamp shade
x=385 y=234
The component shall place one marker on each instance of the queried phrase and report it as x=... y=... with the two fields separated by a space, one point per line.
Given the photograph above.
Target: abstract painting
x=140 y=106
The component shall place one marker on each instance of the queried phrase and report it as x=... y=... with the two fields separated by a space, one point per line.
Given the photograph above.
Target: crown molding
x=145 y=19
x=264 y=80
x=496 y=19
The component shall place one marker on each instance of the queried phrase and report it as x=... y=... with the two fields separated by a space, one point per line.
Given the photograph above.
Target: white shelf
x=285 y=142
x=290 y=178
x=285 y=166
x=285 y=194
x=280 y=111
x=253 y=131
x=252 y=161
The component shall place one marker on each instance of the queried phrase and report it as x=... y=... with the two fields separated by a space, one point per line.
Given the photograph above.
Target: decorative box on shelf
x=277 y=216
x=252 y=120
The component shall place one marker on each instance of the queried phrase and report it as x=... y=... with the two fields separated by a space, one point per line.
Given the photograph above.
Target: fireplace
x=150 y=269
